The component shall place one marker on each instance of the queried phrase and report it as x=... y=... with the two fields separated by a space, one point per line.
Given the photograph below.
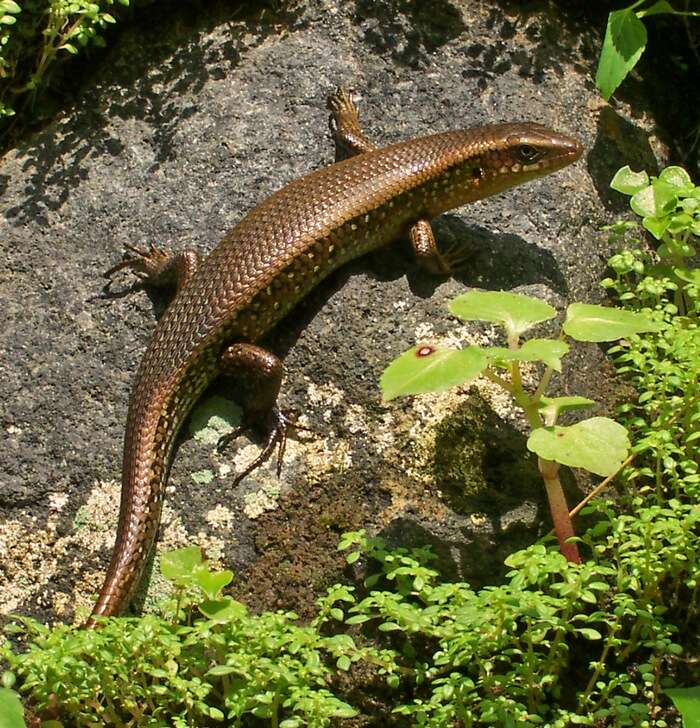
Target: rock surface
x=184 y=125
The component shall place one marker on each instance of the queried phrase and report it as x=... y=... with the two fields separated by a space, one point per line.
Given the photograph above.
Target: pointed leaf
x=549 y=351
x=181 y=563
x=629 y=182
x=587 y=322
x=515 y=312
x=624 y=43
x=598 y=444
x=430 y=369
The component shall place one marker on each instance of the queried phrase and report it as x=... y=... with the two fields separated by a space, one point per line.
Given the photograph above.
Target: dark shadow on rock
x=484 y=469
x=406 y=30
x=494 y=261
x=558 y=38
x=164 y=62
x=407 y=533
x=618 y=142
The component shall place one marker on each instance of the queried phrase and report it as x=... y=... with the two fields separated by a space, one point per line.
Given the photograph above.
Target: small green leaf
x=430 y=369
x=588 y=322
x=589 y=633
x=66 y=46
x=598 y=445
x=624 y=43
x=222 y=610
x=689 y=275
x=515 y=312
x=687 y=702
x=343 y=663
x=181 y=563
x=11 y=710
x=656 y=200
x=656 y=226
x=677 y=178
x=10 y=6
x=549 y=351
x=552 y=407
x=629 y=182
x=212 y=582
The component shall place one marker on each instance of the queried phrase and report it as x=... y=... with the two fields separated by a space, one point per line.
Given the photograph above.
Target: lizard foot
x=455 y=258
x=147 y=265
x=278 y=425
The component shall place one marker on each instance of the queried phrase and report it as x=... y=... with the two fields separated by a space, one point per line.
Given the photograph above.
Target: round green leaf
x=588 y=322
x=515 y=312
x=654 y=201
x=181 y=563
x=677 y=178
x=11 y=710
x=222 y=610
x=629 y=182
x=430 y=369
x=598 y=444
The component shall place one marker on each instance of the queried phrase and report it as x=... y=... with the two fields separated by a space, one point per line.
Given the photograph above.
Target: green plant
x=11 y=711
x=35 y=35
x=597 y=444
x=205 y=660
x=625 y=41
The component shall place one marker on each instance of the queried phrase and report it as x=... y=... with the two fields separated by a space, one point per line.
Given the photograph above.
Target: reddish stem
x=559 y=509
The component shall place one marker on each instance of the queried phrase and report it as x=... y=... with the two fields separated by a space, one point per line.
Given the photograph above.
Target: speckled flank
x=270 y=261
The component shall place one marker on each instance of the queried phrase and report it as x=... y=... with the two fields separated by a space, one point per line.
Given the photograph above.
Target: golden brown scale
x=268 y=263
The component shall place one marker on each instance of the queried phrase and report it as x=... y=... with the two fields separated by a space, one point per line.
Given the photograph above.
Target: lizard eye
x=528 y=154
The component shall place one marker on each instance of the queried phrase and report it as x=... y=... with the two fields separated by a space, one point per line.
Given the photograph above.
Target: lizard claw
x=455 y=258
x=144 y=264
x=279 y=424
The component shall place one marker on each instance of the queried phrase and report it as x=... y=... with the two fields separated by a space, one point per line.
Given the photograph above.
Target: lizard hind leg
x=260 y=373
x=344 y=123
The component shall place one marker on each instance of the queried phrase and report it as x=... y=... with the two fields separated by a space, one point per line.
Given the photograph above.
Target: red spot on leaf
x=426 y=350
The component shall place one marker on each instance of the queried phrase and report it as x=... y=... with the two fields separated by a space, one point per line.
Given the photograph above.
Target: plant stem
x=559 y=509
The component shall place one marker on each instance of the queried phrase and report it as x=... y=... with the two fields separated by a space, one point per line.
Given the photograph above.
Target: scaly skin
x=268 y=263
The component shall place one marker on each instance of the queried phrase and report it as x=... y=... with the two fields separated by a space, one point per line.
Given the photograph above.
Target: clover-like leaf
x=588 y=322
x=428 y=368
x=599 y=445
x=515 y=312
x=212 y=582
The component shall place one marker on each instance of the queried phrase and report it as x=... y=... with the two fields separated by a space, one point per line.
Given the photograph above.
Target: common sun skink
x=266 y=264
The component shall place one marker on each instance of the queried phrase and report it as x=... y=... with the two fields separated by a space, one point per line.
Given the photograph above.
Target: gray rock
x=184 y=125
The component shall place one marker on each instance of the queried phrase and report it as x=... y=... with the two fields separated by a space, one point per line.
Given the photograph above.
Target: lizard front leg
x=350 y=139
